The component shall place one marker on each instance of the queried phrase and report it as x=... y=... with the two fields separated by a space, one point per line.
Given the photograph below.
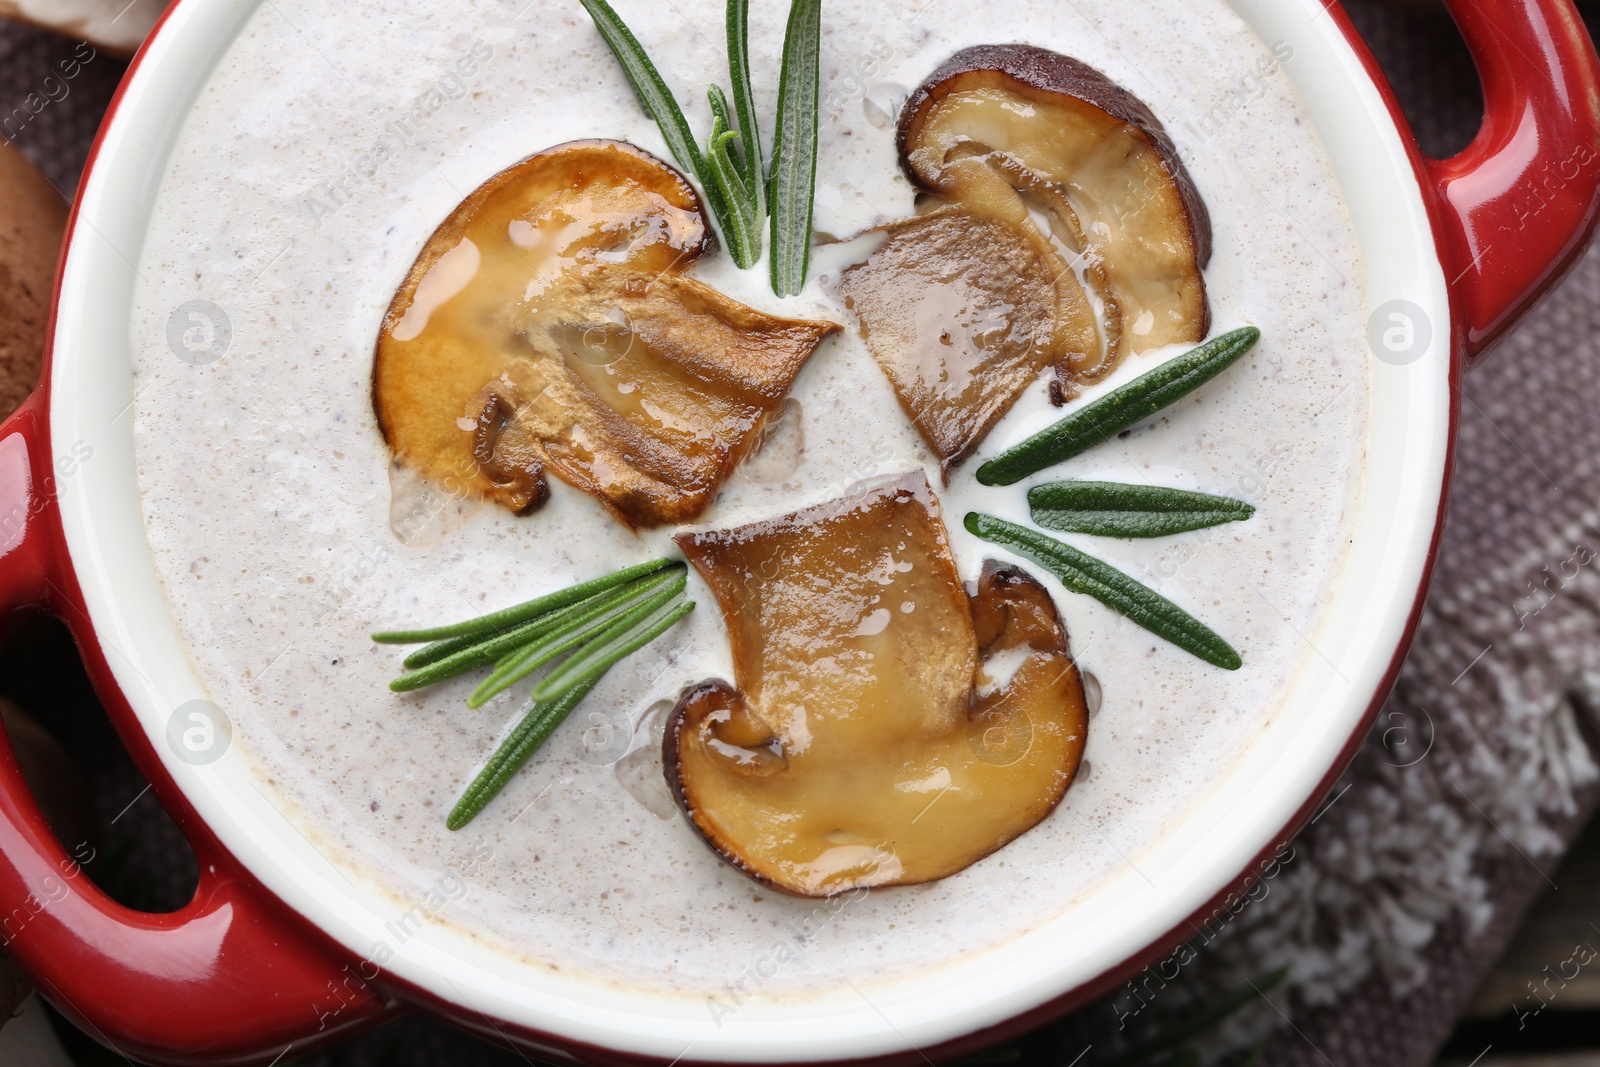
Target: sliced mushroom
x=887 y=728
x=1004 y=121
x=998 y=136
x=548 y=326
x=963 y=311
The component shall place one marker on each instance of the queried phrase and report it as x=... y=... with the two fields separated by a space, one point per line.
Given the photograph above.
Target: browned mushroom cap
x=1094 y=157
x=887 y=729
x=548 y=326
x=965 y=305
x=964 y=310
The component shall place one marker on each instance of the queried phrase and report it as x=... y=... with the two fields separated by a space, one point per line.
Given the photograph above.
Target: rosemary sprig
x=1120 y=509
x=509 y=617
x=595 y=623
x=614 y=643
x=744 y=103
x=1082 y=573
x=794 y=148
x=1108 y=416
x=602 y=624
x=732 y=176
x=534 y=729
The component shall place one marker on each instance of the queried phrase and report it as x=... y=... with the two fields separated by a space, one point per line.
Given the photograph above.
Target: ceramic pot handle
x=1519 y=204
x=233 y=976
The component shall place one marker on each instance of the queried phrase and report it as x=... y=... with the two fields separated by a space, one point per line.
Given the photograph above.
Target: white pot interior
x=1361 y=625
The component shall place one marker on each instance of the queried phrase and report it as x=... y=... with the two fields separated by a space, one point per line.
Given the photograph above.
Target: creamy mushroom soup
x=326 y=148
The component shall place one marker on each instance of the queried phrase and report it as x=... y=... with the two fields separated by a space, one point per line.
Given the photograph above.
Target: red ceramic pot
x=269 y=955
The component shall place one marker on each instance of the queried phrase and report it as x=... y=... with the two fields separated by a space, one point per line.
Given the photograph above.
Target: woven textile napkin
x=1403 y=892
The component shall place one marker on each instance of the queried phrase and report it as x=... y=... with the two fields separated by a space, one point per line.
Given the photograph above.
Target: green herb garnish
x=546 y=714
x=1082 y=573
x=506 y=618
x=534 y=729
x=744 y=101
x=1102 y=419
x=731 y=170
x=794 y=148
x=741 y=223
x=595 y=624
x=1119 y=509
x=611 y=647
x=584 y=622
x=552 y=625
x=482 y=651
x=653 y=94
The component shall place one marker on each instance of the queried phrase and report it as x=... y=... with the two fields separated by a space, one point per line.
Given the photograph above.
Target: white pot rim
x=1369 y=618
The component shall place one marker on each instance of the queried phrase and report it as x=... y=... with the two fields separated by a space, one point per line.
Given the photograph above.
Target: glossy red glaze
x=1519 y=204
x=236 y=976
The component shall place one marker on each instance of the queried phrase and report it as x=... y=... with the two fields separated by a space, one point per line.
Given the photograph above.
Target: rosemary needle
x=620 y=613
x=738 y=25
x=602 y=654
x=1120 y=509
x=536 y=726
x=794 y=148
x=509 y=617
x=1082 y=573
x=1100 y=420
x=435 y=651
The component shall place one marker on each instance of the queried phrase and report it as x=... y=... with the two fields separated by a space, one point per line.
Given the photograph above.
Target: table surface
x=1509 y=1024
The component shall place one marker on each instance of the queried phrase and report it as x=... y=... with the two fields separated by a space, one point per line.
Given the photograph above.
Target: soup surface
x=326 y=148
